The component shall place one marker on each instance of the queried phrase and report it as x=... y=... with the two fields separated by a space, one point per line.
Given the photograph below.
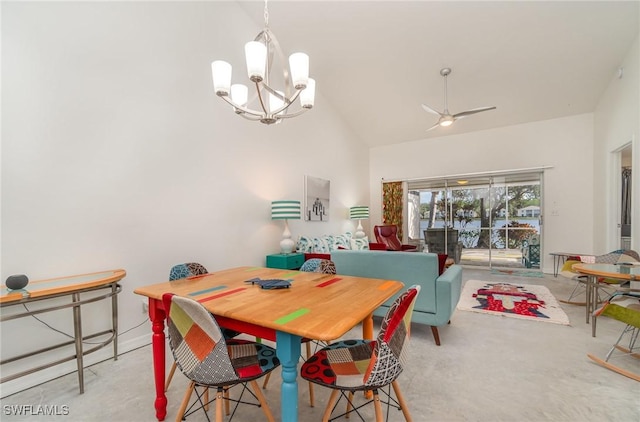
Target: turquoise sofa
x=439 y=294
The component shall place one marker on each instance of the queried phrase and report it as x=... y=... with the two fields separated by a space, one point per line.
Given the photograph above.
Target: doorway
x=625 y=197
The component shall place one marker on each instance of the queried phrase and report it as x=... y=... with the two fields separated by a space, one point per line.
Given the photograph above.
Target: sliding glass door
x=487 y=220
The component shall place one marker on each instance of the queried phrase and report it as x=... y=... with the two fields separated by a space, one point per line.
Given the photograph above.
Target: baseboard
x=28 y=381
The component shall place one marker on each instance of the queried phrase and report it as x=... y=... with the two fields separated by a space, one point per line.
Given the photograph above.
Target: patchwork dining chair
x=209 y=360
x=623 y=307
x=348 y=366
x=190 y=269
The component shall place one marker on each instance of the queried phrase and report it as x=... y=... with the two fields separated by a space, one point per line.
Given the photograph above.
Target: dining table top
x=317 y=306
x=628 y=271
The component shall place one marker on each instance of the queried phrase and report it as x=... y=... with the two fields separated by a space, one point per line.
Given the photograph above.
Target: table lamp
x=359 y=212
x=285 y=210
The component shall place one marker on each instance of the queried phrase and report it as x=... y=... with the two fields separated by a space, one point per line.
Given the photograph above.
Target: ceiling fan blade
x=433 y=127
x=430 y=110
x=470 y=112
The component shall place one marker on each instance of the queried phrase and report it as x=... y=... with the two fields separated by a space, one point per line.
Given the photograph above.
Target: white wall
x=617 y=123
x=116 y=153
x=565 y=144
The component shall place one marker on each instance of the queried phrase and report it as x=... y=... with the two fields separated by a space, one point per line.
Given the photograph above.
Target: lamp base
x=286 y=246
x=359 y=234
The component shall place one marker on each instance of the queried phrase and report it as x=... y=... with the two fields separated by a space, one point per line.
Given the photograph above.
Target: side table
x=291 y=261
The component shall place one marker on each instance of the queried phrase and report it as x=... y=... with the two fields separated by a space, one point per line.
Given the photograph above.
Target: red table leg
x=157 y=316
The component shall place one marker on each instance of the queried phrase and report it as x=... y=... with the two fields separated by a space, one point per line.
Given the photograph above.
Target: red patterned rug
x=515 y=300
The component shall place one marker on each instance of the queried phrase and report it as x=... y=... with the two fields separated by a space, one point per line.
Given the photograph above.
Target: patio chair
x=208 y=360
x=372 y=366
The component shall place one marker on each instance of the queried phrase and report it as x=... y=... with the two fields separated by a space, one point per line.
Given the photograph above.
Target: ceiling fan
x=446 y=118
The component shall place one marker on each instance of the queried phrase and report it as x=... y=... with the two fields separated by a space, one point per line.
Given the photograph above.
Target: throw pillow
x=342 y=241
x=305 y=245
x=360 y=244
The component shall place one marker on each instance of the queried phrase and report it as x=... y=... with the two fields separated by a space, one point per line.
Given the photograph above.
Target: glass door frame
x=445 y=186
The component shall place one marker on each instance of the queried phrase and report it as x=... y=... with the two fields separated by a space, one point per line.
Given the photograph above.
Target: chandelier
x=271 y=105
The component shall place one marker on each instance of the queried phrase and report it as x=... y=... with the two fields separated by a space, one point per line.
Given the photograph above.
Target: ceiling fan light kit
x=445 y=118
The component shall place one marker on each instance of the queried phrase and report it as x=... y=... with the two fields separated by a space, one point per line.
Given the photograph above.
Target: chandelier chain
x=266 y=14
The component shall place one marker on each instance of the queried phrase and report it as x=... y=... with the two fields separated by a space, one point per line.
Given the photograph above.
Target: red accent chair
x=389 y=236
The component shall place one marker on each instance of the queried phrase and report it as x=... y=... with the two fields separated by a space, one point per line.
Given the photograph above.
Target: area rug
x=518 y=273
x=514 y=300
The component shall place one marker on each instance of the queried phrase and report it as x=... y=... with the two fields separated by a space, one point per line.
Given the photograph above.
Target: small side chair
x=623 y=307
x=210 y=361
x=348 y=366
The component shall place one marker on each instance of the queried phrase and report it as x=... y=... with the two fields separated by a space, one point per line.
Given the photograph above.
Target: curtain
x=626 y=196
x=392 y=203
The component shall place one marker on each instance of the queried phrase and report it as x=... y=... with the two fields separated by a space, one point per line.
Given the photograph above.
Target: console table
x=291 y=261
x=560 y=258
x=90 y=286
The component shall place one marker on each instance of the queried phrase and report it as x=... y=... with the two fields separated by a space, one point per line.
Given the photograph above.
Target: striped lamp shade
x=285 y=210
x=359 y=212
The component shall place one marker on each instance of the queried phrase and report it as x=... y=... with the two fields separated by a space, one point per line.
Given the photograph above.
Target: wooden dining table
x=315 y=306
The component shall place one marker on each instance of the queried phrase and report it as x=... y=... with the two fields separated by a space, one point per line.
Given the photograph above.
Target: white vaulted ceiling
x=375 y=62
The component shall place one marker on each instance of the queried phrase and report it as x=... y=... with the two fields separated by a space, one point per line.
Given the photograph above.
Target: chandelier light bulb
x=239 y=94
x=307 y=96
x=256 y=55
x=221 y=73
x=299 y=65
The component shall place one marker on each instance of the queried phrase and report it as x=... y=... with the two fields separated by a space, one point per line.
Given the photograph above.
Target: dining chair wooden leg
x=171 y=372
x=312 y=400
x=266 y=380
x=219 y=400
x=226 y=402
x=332 y=401
x=185 y=401
x=262 y=400
x=377 y=405
x=401 y=401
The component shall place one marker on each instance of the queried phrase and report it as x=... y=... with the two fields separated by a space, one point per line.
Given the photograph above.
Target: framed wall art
x=316 y=199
